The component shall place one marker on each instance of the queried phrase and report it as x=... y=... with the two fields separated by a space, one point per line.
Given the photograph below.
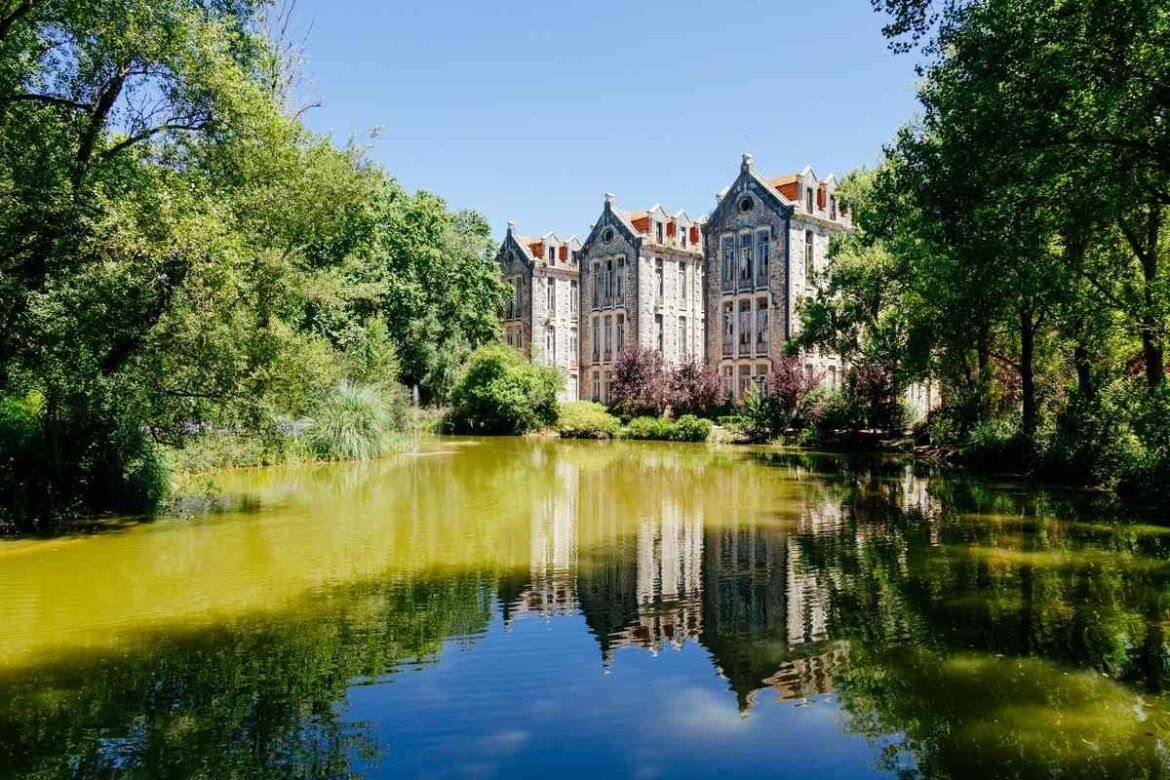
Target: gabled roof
x=620 y=219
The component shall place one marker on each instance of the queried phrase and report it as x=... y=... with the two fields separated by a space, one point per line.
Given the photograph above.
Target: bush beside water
x=586 y=420
x=685 y=428
x=499 y=391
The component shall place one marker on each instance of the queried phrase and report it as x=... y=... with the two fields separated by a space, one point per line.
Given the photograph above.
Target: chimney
x=747 y=162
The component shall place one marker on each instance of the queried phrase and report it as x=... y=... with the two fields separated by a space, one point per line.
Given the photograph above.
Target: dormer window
x=607 y=236
x=808 y=196
x=658 y=231
x=745 y=205
x=552 y=254
x=832 y=207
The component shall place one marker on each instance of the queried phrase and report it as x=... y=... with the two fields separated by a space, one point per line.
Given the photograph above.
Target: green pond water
x=520 y=607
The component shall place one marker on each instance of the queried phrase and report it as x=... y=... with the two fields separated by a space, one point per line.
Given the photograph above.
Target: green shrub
x=691 y=428
x=1090 y=442
x=498 y=391
x=997 y=443
x=648 y=428
x=834 y=413
x=764 y=418
x=356 y=422
x=225 y=450
x=586 y=420
x=686 y=428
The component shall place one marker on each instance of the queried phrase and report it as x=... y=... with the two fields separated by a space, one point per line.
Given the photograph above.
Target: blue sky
x=532 y=111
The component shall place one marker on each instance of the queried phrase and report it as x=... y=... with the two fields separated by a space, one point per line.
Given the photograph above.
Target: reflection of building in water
x=803 y=677
x=669 y=583
x=630 y=550
x=766 y=607
x=552 y=569
x=916 y=499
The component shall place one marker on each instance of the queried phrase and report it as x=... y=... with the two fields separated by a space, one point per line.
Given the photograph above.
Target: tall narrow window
x=658 y=278
x=597 y=285
x=608 y=282
x=550 y=346
x=620 y=336
x=809 y=269
x=745 y=326
x=572 y=346
x=552 y=297
x=761 y=325
x=762 y=250
x=658 y=330
x=682 y=283
x=573 y=296
x=519 y=297
x=608 y=337
x=745 y=381
x=727 y=245
x=552 y=254
x=658 y=231
x=620 y=281
x=684 y=341
x=808 y=196
x=832 y=207
x=596 y=340
x=745 y=260
x=728 y=327
x=682 y=236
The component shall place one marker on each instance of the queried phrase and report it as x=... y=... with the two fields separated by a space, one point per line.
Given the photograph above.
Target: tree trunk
x=1145 y=245
x=1085 y=385
x=983 y=353
x=1027 y=370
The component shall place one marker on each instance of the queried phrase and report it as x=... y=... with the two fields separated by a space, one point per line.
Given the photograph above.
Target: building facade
x=541 y=314
x=641 y=284
x=767 y=244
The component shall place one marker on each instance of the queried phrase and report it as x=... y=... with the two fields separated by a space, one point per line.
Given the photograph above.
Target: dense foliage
x=644 y=384
x=499 y=391
x=1013 y=243
x=178 y=253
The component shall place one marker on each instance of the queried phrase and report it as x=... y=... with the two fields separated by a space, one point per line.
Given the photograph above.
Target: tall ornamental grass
x=356 y=422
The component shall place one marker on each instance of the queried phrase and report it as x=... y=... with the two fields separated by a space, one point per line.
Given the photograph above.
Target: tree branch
x=97 y=121
x=51 y=100
x=13 y=16
x=146 y=134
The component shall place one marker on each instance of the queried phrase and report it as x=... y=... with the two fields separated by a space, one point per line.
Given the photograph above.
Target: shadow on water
x=958 y=627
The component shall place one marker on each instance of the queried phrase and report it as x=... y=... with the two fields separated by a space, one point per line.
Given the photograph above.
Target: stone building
x=641 y=283
x=766 y=244
x=540 y=317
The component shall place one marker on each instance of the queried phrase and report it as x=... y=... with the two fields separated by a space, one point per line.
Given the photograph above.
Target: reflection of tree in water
x=261 y=697
x=968 y=612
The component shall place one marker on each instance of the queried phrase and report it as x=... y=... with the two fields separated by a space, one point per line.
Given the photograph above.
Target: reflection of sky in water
x=536 y=699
